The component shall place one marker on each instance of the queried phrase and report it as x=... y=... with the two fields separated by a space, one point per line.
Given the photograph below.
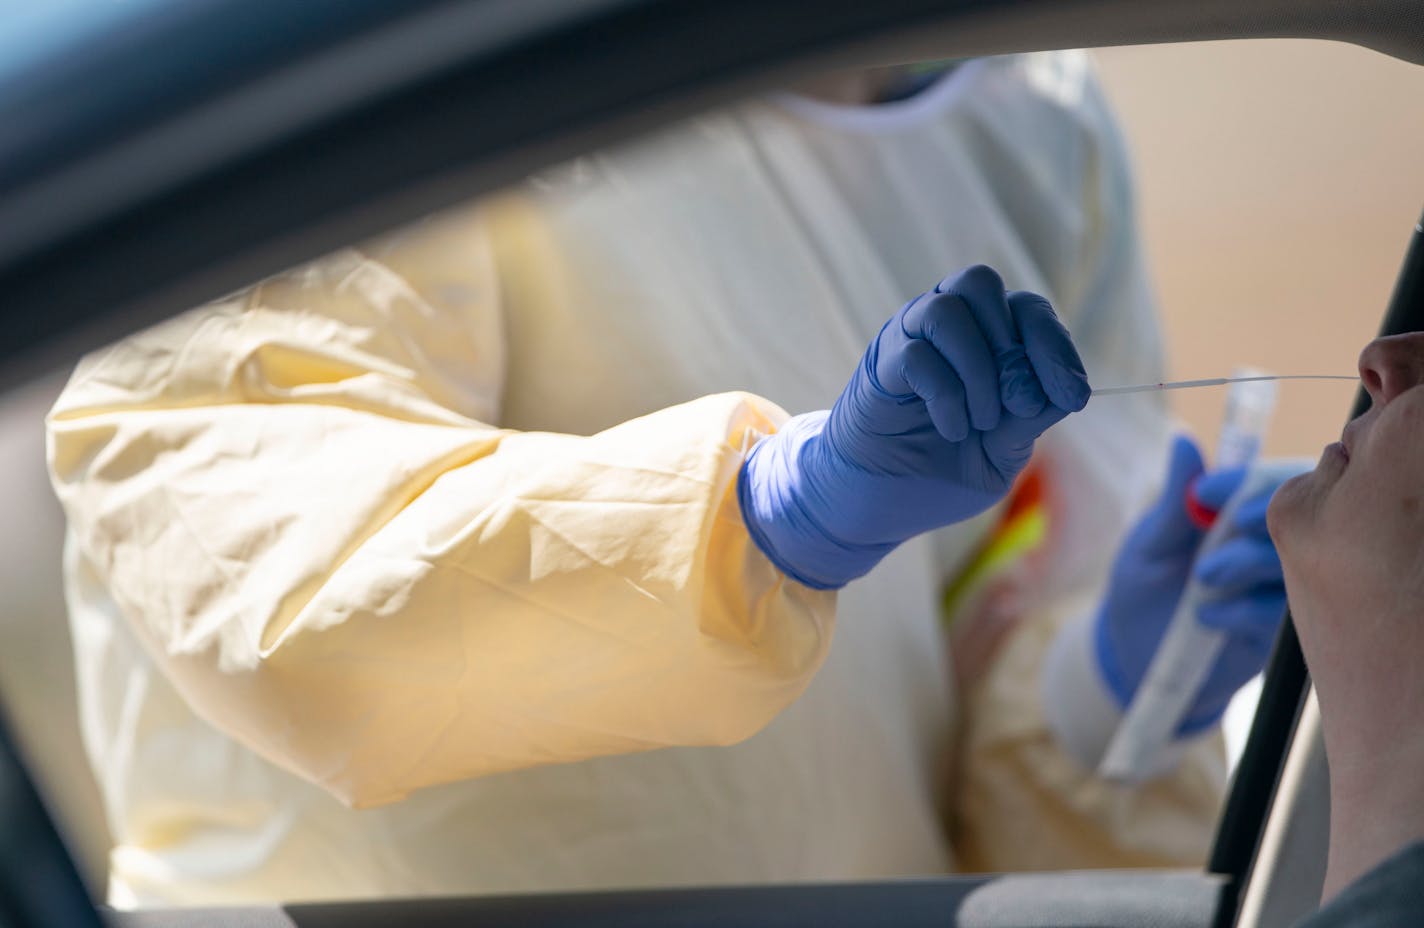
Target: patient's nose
x=1391 y=365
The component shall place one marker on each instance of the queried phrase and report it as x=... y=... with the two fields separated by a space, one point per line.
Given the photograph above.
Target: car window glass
x=1266 y=243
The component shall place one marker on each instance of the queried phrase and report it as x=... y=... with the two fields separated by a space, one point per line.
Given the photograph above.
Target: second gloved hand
x=935 y=424
x=1242 y=576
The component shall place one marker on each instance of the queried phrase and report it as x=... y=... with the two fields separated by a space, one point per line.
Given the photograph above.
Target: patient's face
x=1351 y=538
x=1351 y=532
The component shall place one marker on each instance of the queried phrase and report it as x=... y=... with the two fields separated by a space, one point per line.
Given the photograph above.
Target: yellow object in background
x=1020 y=531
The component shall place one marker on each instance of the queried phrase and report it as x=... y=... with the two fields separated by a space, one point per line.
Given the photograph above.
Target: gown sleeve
x=299 y=499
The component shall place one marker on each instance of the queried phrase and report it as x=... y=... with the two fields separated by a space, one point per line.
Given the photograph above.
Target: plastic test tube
x=1189 y=649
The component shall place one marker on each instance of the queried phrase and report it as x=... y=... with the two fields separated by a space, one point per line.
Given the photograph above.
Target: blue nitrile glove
x=935 y=424
x=1247 y=590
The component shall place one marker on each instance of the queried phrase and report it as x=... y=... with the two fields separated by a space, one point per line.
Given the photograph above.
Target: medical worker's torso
x=756 y=249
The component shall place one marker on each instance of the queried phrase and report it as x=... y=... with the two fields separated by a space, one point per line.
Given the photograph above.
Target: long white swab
x=1212 y=382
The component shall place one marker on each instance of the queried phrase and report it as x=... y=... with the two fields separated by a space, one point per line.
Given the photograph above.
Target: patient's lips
x=1350 y=436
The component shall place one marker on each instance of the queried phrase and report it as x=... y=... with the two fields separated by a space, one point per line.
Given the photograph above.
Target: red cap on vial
x=1201 y=515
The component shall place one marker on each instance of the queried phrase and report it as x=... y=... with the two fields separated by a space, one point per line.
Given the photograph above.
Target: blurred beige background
x=1278 y=183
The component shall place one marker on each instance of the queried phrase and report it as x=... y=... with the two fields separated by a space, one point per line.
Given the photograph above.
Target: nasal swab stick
x=1212 y=382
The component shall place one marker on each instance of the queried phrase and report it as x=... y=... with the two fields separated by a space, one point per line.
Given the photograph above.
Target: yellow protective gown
x=441 y=528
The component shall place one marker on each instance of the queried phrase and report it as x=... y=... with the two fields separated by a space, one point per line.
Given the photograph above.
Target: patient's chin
x=1291 y=515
